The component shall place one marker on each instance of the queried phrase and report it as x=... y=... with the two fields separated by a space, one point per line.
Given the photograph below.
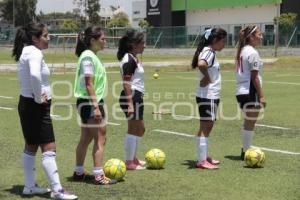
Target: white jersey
x=130 y=66
x=212 y=90
x=33 y=74
x=249 y=61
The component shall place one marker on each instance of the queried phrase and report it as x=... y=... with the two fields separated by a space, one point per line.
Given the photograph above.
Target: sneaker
x=242 y=154
x=139 y=162
x=204 y=164
x=212 y=161
x=132 y=165
x=103 y=180
x=35 y=190
x=82 y=177
x=62 y=194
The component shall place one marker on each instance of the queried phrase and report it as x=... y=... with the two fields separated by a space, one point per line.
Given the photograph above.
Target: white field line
x=6 y=97
x=173 y=133
x=13 y=79
x=5 y=108
x=274 y=127
x=278 y=151
x=189 y=135
x=113 y=124
x=260 y=125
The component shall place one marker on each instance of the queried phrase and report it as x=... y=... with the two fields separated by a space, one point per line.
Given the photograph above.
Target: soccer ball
x=255 y=157
x=115 y=169
x=155 y=75
x=155 y=159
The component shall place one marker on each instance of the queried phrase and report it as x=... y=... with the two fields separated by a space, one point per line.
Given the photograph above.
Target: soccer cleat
x=131 y=165
x=103 y=180
x=139 y=162
x=35 y=190
x=242 y=154
x=63 y=195
x=204 y=164
x=212 y=161
x=82 y=177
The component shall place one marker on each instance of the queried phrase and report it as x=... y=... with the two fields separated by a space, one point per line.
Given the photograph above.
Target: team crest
x=153 y=3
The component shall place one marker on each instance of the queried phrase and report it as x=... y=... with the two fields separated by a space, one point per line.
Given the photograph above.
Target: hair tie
x=207 y=33
x=252 y=31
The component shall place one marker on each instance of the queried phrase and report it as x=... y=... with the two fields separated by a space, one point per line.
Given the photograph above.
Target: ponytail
x=24 y=37
x=84 y=38
x=126 y=43
x=244 y=36
x=207 y=39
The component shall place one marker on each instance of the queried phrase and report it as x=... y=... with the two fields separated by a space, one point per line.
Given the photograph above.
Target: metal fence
x=174 y=37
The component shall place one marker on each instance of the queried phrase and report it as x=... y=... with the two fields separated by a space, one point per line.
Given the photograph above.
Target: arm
x=257 y=85
x=128 y=93
x=91 y=91
x=203 y=66
x=35 y=65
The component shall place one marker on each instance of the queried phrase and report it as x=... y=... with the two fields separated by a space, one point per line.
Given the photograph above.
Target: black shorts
x=86 y=111
x=138 y=105
x=35 y=121
x=207 y=108
x=248 y=101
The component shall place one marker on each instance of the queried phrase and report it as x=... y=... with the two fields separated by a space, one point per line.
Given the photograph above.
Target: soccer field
x=278 y=132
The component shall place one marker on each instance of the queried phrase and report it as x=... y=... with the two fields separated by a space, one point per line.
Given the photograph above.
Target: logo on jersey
x=153 y=3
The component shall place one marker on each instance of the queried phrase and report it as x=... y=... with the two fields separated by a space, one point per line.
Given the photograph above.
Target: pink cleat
x=204 y=164
x=212 y=161
x=139 y=162
x=131 y=165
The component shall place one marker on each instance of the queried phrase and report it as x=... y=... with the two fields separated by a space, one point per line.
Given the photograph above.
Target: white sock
x=138 y=139
x=130 y=146
x=79 y=170
x=206 y=141
x=98 y=171
x=50 y=169
x=246 y=138
x=28 y=160
x=201 y=148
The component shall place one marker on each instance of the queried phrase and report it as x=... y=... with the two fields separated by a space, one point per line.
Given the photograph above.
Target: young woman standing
x=249 y=93
x=208 y=92
x=34 y=109
x=131 y=98
x=90 y=84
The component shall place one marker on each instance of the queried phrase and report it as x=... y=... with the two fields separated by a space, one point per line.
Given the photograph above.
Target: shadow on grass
x=18 y=189
x=235 y=158
x=89 y=180
x=190 y=163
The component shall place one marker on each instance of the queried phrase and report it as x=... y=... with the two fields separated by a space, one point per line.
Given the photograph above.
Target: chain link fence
x=174 y=37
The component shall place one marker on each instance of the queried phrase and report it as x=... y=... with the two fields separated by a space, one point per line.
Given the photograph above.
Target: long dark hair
x=244 y=38
x=126 y=43
x=207 y=39
x=24 y=37
x=84 y=38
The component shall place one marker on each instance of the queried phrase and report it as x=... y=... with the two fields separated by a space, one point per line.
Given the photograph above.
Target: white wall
x=236 y=15
x=138 y=12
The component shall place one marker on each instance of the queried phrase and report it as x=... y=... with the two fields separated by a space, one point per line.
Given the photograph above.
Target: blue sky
x=67 y=5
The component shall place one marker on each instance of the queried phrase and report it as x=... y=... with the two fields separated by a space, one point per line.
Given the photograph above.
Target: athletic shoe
x=132 y=165
x=242 y=154
x=63 y=195
x=139 y=162
x=204 y=164
x=35 y=190
x=83 y=177
x=212 y=161
x=103 y=180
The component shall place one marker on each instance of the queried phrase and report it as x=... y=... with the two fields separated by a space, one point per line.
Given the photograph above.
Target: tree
x=90 y=8
x=144 y=24
x=71 y=25
x=286 y=22
x=119 y=19
x=18 y=12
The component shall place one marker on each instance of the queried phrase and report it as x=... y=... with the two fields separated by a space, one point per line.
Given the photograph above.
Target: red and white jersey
x=249 y=61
